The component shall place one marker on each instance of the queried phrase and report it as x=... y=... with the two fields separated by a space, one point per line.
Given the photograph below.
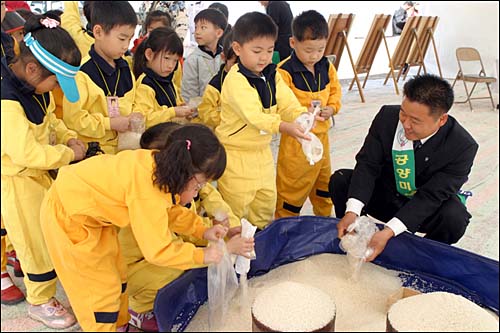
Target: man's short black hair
x=430 y=90
x=253 y=25
x=212 y=15
x=309 y=25
x=109 y=14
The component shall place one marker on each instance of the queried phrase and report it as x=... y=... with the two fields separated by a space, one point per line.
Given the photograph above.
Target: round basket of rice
x=439 y=312
x=293 y=307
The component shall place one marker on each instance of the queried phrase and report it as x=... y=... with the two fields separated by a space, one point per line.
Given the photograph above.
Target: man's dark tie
x=417 y=144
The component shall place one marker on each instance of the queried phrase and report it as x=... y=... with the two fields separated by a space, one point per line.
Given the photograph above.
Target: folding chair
x=470 y=59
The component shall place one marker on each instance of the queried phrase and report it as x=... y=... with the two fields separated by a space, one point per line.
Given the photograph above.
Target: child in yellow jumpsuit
x=105 y=78
x=145 y=189
x=256 y=104
x=33 y=142
x=11 y=294
x=155 y=60
x=144 y=278
x=311 y=77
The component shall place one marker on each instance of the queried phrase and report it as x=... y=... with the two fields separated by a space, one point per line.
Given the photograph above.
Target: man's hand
x=379 y=241
x=345 y=222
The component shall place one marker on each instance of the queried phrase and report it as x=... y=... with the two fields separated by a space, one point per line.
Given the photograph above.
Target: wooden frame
x=424 y=34
x=370 y=48
x=339 y=26
x=413 y=44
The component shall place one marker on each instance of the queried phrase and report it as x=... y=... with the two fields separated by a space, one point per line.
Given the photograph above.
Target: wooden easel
x=339 y=26
x=413 y=44
x=370 y=48
x=424 y=34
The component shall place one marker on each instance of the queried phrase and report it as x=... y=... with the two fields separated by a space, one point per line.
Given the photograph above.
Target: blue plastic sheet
x=425 y=265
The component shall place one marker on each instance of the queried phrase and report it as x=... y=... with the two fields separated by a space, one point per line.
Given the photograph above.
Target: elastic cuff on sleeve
x=198 y=256
x=107 y=123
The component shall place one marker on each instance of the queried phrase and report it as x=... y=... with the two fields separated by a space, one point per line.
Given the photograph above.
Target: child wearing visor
x=33 y=142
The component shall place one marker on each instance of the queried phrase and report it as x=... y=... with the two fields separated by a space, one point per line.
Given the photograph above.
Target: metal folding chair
x=469 y=61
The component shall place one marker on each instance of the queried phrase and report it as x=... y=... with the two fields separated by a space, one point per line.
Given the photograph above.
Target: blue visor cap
x=64 y=72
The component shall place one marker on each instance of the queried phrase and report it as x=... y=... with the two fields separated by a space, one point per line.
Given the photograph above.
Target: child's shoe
x=14 y=263
x=11 y=294
x=145 y=321
x=52 y=314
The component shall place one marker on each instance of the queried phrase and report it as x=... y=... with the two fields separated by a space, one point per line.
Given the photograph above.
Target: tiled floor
x=351 y=125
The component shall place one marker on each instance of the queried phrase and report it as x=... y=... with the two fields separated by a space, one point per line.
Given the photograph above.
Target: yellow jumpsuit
x=156 y=97
x=26 y=158
x=296 y=179
x=81 y=215
x=10 y=46
x=144 y=278
x=210 y=106
x=89 y=116
x=251 y=112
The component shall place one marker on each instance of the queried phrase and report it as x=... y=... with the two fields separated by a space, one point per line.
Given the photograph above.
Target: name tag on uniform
x=113 y=106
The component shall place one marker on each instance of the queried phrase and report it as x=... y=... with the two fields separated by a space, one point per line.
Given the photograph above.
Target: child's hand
x=215 y=233
x=183 y=111
x=224 y=222
x=326 y=112
x=240 y=246
x=294 y=129
x=119 y=124
x=212 y=255
x=78 y=148
x=233 y=231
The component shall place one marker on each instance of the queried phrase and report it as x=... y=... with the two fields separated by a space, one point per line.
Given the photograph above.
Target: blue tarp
x=425 y=265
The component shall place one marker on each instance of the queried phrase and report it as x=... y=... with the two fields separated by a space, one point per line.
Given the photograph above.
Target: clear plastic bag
x=355 y=243
x=222 y=285
x=313 y=150
x=131 y=139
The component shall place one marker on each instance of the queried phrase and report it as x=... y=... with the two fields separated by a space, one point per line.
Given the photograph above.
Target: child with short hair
x=155 y=61
x=33 y=142
x=105 y=81
x=209 y=108
x=256 y=103
x=204 y=62
x=312 y=78
x=154 y=19
x=141 y=188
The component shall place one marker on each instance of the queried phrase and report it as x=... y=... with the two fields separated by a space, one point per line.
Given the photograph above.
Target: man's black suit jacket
x=442 y=166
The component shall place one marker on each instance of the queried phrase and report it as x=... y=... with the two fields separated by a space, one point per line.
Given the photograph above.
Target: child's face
x=46 y=85
x=116 y=42
x=309 y=51
x=194 y=185
x=162 y=63
x=206 y=33
x=256 y=54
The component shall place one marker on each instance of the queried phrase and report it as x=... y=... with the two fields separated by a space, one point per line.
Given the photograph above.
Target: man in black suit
x=413 y=162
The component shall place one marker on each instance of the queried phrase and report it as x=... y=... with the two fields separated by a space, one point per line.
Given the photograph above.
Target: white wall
x=462 y=23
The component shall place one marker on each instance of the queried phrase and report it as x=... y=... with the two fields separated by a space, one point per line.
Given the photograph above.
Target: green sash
x=403 y=161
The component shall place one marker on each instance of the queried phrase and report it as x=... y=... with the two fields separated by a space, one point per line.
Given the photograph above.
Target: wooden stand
x=413 y=44
x=339 y=26
x=370 y=48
